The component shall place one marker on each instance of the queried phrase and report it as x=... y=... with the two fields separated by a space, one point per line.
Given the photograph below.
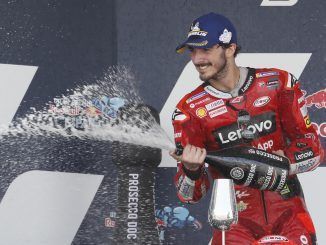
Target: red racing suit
x=207 y=118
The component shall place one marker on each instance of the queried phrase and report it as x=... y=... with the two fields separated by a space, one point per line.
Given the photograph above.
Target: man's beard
x=221 y=72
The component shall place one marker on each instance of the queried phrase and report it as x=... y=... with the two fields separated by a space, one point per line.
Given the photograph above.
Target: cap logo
x=226 y=36
x=195 y=27
x=195 y=30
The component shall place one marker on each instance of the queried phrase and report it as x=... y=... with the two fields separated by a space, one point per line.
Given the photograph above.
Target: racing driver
x=211 y=118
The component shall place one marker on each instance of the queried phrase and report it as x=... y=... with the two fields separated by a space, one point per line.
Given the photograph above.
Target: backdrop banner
x=69 y=190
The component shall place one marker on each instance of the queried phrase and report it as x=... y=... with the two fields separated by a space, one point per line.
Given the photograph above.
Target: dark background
x=74 y=42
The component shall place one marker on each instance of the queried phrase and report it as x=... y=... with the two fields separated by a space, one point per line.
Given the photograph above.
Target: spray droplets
x=108 y=110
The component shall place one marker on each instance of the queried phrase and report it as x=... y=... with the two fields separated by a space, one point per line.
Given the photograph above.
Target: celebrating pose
x=235 y=106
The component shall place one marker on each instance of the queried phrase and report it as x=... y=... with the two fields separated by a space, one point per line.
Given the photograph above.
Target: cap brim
x=193 y=42
x=181 y=48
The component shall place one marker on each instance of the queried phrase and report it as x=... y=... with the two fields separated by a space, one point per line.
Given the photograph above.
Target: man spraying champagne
x=240 y=106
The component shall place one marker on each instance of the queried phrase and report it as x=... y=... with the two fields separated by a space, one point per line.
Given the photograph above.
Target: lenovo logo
x=231 y=135
x=299 y=156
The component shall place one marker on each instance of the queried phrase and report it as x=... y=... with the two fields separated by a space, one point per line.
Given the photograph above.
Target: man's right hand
x=192 y=157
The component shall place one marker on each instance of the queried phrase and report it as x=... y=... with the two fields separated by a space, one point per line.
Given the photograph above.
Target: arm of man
x=304 y=149
x=191 y=179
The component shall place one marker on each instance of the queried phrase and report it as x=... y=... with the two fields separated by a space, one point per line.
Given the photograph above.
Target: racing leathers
x=209 y=118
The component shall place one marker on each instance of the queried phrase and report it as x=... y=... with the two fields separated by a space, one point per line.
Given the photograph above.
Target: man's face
x=210 y=63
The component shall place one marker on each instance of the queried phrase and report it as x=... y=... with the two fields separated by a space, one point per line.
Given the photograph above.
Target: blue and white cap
x=209 y=30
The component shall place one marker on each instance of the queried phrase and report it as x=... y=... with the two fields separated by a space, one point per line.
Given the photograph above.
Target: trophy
x=222 y=212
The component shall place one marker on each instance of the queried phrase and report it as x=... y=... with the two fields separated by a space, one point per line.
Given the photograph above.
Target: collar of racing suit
x=245 y=81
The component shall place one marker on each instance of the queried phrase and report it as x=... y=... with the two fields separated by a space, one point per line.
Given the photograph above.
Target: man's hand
x=192 y=157
x=279 y=152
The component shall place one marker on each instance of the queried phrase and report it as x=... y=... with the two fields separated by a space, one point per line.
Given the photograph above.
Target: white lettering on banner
x=14 y=82
x=320 y=128
x=269 y=3
x=133 y=206
x=50 y=207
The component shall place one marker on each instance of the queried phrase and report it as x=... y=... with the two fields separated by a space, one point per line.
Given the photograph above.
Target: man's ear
x=231 y=50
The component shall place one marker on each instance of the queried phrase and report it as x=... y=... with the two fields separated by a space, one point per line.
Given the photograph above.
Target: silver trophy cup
x=222 y=212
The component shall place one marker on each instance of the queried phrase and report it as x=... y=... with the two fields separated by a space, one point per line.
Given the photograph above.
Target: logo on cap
x=226 y=36
x=195 y=30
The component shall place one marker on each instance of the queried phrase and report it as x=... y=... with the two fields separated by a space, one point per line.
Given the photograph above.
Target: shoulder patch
x=196 y=96
x=266 y=74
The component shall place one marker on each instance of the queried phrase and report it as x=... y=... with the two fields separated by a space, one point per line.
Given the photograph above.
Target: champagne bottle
x=251 y=167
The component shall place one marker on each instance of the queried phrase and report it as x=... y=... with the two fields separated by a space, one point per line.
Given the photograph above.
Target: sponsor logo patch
x=193 y=105
x=214 y=104
x=317 y=99
x=304 y=240
x=273 y=238
x=177 y=135
x=304 y=155
x=266 y=74
x=272 y=83
x=306 y=165
x=217 y=112
x=202 y=101
x=262 y=101
x=307 y=121
x=247 y=84
x=196 y=96
x=237 y=100
x=265 y=145
x=216 y=93
x=201 y=112
x=230 y=135
x=109 y=223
